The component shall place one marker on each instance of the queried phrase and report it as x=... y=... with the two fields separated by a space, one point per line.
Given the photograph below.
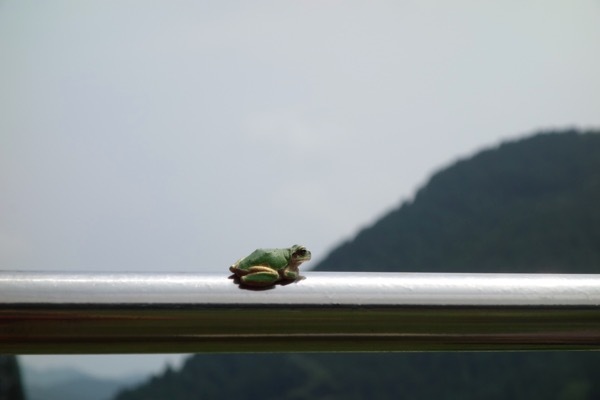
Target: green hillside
x=390 y=376
x=526 y=206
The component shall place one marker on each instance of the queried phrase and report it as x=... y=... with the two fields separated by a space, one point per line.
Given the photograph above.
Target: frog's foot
x=260 y=276
x=291 y=274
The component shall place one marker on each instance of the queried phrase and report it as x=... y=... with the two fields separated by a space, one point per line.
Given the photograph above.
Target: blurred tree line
x=11 y=387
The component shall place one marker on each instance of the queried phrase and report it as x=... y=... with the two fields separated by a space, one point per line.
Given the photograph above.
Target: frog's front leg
x=290 y=274
x=260 y=276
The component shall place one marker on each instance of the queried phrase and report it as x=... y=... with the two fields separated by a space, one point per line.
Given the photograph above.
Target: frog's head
x=299 y=254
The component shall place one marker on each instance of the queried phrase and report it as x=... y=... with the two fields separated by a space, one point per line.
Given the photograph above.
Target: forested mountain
x=527 y=206
x=394 y=376
x=11 y=387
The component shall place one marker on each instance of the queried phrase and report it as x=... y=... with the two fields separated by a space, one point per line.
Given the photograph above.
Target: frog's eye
x=301 y=252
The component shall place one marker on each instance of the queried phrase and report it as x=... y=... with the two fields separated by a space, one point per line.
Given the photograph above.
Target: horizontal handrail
x=70 y=313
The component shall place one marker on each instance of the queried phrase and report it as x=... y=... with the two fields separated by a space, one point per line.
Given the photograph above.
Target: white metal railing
x=67 y=313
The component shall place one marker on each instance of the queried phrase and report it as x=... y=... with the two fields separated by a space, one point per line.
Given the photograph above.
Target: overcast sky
x=181 y=135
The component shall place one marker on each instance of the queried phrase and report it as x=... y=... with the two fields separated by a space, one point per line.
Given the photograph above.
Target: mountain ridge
x=70 y=384
x=506 y=200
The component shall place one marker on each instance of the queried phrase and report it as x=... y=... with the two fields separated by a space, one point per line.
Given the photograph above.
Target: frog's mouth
x=297 y=261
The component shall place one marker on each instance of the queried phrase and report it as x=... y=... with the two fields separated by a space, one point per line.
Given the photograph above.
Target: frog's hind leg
x=260 y=276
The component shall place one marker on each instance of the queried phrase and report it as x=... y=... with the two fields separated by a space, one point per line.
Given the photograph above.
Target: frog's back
x=274 y=258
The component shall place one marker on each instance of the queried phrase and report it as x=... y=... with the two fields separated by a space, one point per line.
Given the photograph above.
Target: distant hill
x=71 y=384
x=531 y=205
x=422 y=376
x=11 y=387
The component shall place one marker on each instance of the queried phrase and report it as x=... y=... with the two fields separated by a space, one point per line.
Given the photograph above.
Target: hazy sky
x=181 y=135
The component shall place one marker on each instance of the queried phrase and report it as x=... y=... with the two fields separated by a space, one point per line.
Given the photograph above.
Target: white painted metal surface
x=102 y=313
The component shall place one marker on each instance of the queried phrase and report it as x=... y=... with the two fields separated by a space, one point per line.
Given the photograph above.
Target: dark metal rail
x=69 y=313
